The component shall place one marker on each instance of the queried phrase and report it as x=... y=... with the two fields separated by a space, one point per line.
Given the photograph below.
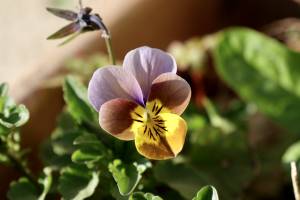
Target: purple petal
x=113 y=82
x=146 y=64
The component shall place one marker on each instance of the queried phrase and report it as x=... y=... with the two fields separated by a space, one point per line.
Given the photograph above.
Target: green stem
x=107 y=37
x=294 y=176
x=108 y=44
x=216 y=119
x=21 y=167
x=210 y=109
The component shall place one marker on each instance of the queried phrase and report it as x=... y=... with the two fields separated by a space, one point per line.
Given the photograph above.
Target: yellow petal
x=176 y=133
x=160 y=137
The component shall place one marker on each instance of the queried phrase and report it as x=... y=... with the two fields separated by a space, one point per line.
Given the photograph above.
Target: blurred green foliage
x=60 y=3
x=22 y=189
x=12 y=117
x=78 y=182
x=85 y=67
x=262 y=71
x=77 y=101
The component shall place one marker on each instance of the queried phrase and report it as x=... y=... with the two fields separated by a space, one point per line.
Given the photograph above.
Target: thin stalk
x=108 y=44
x=106 y=35
x=294 y=176
x=20 y=166
x=216 y=119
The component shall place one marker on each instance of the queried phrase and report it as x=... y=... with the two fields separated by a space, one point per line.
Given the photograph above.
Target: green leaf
x=262 y=71
x=19 y=116
x=87 y=155
x=182 y=178
x=51 y=159
x=142 y=196
x=207 y=193
x=11 y=115
x=90 y=150
x=62 y=141
x=75 y=95
x=77 y=182
x=210 y=146
x=66 y=122
x=87 y=139
x=3 y=158
x=213 y=158
x=292 y=153
x=127 y=176
x=23 y=189
x=187 y=179
x=16 y=116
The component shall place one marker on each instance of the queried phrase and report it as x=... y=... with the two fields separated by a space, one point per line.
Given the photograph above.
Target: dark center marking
x=153 y=124
x=153 y=108
x=138 y=120
x=138 y=114
x=145 y=129
x=162 y=127
x=155 y=130
x=158 y=111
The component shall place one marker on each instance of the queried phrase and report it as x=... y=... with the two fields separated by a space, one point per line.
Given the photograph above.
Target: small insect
x=82 y=21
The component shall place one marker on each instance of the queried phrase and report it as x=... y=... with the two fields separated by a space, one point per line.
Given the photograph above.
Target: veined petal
x=113 y=82
x=162 y=138
x=146 y=64
x=172 y=91
x=115 y=118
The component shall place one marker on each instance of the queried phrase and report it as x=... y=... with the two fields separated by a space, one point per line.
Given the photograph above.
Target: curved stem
x=216 y=119
x=294 y=176
x=20 y=166
x=80 y=4
x=108 y=44
x=106 y=35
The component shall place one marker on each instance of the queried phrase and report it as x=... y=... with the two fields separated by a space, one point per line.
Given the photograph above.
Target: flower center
x=149 y=121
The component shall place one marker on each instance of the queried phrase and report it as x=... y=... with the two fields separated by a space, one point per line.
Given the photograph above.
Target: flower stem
x=108 y=44
x=294 y=176
x=106 y=35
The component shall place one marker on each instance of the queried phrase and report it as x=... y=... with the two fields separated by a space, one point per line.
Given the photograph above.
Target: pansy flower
x=143 y=101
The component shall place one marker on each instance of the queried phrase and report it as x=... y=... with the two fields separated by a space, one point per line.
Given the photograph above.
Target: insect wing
x=66 y=14
x=65 y=31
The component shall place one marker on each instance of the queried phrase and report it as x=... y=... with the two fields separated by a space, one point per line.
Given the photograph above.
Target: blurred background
x=27 y=24
x=31 y=64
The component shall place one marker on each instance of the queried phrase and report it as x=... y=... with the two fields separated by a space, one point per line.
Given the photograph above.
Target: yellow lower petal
x=176 y=133
x=158 y=135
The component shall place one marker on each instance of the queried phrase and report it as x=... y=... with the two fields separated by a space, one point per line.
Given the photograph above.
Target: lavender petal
x=146 y=64
x=113 y=82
